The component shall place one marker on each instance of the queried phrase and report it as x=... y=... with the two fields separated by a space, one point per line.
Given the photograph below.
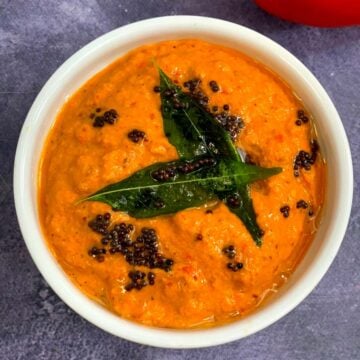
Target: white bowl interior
x=101 y=52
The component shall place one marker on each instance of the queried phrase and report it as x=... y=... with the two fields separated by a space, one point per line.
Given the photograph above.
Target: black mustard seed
x=214 y=86
x=136 y=135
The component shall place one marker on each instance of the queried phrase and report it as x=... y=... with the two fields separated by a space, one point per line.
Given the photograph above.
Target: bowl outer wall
x=105 y=49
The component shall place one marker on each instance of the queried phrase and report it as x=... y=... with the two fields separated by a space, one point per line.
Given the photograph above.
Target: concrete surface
x=35 y=38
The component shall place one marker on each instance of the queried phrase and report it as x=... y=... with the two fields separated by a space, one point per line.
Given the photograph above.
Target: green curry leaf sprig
x=193 y=130
x=209 y=169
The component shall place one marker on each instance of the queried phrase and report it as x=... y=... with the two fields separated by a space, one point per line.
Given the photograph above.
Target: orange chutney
x=79 y=159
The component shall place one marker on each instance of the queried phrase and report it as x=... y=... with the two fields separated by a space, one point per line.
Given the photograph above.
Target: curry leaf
x=190 y=127
x=179 y=128
x=245 y=211
x=142 y=196
x=193 y=130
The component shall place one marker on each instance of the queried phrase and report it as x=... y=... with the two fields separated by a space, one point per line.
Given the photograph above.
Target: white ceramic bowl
x=101 y=52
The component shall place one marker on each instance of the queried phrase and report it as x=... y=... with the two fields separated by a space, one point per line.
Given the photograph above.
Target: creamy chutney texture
x=113 y=126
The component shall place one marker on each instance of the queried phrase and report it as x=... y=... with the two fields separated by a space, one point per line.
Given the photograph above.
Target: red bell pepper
x=324 y=13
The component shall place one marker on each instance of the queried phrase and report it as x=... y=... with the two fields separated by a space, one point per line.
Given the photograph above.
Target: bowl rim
x=103 y=318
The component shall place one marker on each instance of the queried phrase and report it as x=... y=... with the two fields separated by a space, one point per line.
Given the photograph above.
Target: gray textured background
x=35 y=38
